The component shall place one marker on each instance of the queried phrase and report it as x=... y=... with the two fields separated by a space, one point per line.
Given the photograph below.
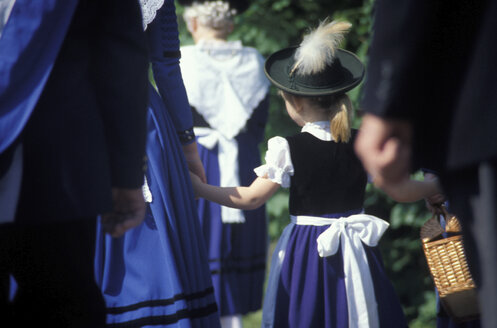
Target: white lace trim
x=278 y=167
x=149 y=10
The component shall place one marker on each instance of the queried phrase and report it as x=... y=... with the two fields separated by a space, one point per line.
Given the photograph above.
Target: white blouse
x=279 y=167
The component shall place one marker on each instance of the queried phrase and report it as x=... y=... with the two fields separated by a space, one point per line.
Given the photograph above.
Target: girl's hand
x=434 y=201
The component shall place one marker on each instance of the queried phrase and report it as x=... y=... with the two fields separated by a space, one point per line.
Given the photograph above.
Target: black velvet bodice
x=328 y=177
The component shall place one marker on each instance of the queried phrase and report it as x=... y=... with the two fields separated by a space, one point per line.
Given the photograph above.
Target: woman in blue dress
x=228 y=92
x=157 y=273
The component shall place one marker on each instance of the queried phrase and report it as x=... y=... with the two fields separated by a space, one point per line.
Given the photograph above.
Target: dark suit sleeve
x=397 y=57
x=418 y=55
x=418 y=59
x=121 y=66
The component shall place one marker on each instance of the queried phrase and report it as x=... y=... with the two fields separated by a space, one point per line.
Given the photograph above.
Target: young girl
x=326 y=270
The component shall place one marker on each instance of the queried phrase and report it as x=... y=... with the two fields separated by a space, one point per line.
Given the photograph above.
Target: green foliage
x=277 y=209
x=269 y=25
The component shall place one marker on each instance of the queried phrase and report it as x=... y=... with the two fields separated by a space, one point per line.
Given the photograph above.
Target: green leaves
x=411 y=215
x=277 y=210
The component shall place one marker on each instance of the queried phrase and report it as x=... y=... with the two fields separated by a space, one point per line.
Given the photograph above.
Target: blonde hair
x=339 y=108
x=341 y=118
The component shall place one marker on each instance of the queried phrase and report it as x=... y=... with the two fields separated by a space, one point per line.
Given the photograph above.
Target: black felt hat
x=344 y=73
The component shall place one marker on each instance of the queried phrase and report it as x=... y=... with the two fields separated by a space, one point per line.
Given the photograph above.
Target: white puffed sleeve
x=278 y=167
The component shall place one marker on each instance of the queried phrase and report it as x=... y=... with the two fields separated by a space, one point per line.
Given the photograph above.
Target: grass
x=252 y=320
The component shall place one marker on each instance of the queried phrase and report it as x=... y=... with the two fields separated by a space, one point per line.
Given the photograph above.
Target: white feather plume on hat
x=317 y=50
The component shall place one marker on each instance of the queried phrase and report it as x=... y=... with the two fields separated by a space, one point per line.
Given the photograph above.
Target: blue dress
x=157 y=273
x=326 y=270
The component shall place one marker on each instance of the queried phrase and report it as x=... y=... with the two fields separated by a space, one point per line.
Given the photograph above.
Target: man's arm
x=121 y=81
x=384 y=147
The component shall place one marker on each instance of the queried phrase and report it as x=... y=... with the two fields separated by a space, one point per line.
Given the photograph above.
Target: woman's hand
x=193 y=161
x=196 y=184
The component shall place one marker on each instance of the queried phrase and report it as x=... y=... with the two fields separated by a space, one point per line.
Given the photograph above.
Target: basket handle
x=452 y=224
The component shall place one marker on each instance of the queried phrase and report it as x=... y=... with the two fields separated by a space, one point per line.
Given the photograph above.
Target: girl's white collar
x=320 y=130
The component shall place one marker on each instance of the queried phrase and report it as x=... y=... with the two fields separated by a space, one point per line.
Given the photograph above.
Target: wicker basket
x=449 y=268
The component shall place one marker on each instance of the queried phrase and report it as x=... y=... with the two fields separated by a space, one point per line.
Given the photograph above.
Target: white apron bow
x=350 y=232
x=228 y=166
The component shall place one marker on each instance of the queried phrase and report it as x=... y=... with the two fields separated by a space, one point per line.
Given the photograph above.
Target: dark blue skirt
x=157 y=273
x=238 y=251
x=306 y=290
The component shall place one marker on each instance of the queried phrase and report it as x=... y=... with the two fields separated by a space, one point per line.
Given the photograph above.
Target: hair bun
x=214 y=14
